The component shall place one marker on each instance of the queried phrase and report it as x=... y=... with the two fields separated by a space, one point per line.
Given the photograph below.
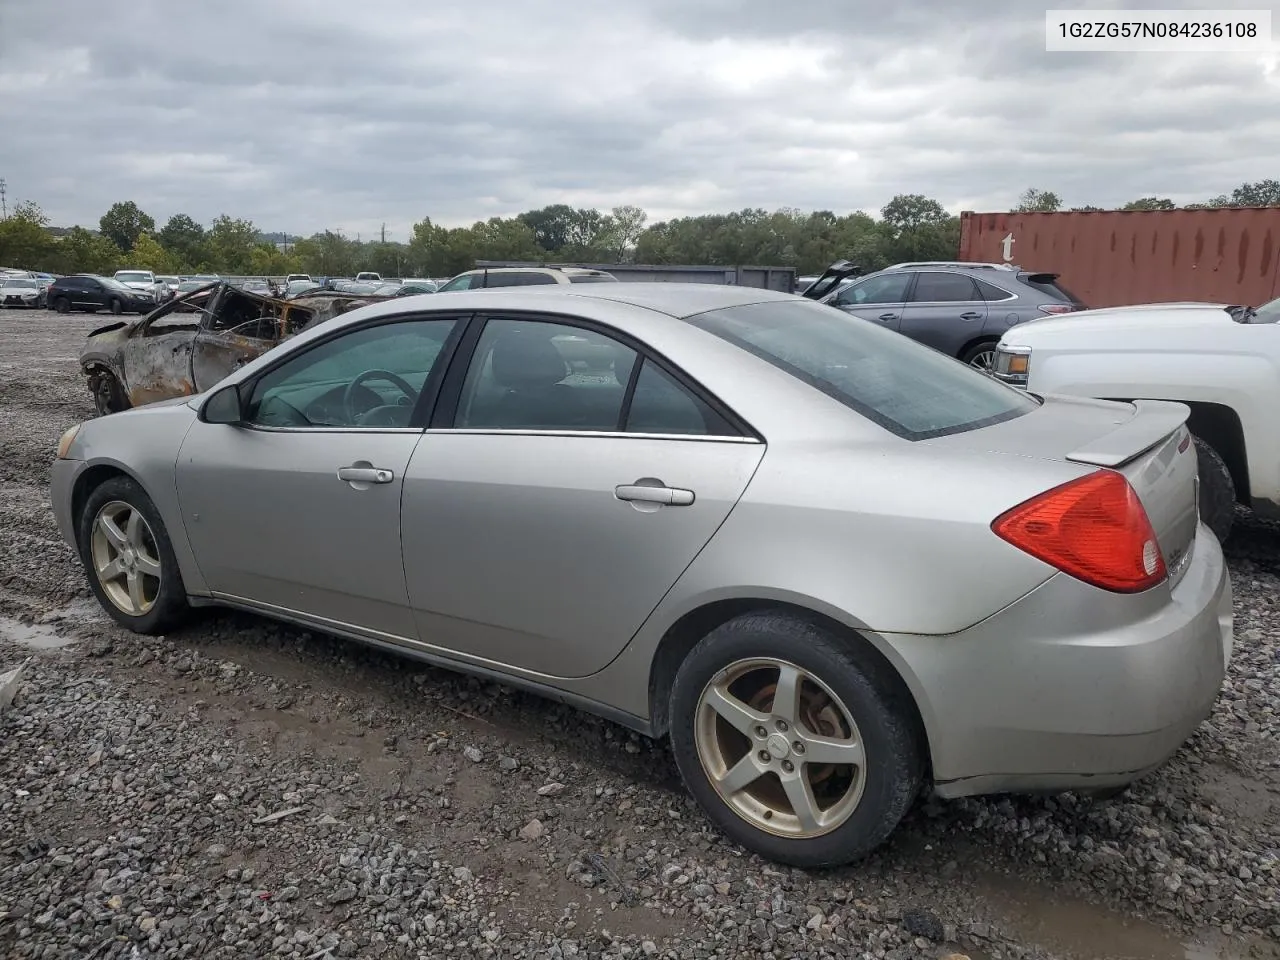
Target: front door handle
x=971 y=316
x=644 y=493
x=361 y=474
x=888 y=316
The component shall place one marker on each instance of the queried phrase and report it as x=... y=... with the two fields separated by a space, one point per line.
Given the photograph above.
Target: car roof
x=678 y=300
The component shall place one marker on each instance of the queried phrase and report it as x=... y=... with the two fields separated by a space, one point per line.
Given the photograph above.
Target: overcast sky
x=307 y=114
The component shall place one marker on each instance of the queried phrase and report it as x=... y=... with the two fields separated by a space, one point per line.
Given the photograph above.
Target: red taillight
x=1094 y=528
x=1056 y=308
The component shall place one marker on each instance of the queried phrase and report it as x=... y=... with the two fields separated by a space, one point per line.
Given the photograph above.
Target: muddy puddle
x=1073 y=928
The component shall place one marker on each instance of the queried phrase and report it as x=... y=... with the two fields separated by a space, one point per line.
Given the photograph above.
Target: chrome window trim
x=596 y=434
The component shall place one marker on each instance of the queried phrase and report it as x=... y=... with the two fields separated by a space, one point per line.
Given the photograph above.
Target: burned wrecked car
x=194 y=340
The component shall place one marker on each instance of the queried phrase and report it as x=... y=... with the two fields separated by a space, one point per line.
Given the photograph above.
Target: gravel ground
x=245 y=789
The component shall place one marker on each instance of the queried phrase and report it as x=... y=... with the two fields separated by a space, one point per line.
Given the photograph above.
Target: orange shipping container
x=1116 y=257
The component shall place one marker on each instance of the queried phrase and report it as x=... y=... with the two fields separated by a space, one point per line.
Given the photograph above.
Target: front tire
x=116 y=307
x=797 y=746
x=108 y=397
x=129 y=559
x=1217 y=491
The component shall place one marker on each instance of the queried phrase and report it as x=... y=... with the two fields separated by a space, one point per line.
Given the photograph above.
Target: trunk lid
x=1147 y=441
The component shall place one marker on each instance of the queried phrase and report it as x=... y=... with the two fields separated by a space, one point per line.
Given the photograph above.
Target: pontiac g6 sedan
x=830 y=564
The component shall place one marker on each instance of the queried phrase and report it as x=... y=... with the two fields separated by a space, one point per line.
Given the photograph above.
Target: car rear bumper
x=1072 y=687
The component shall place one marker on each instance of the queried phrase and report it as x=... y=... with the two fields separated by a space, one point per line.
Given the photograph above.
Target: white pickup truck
x=1222 y=361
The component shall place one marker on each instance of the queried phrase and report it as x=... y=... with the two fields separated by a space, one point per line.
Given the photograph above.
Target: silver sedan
x=831 y=565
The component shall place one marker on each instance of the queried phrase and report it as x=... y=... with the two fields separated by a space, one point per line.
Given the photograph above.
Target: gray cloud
x=307 y=115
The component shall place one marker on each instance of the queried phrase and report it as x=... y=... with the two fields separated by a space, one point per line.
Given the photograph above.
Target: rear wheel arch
x=1219 y=426
x=686 y=632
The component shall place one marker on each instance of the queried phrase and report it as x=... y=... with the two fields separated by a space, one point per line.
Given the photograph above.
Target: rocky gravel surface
x=245 y=789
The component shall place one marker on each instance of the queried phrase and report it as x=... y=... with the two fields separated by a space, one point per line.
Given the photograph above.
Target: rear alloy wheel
x=62 y=305
x=1217 y=491
x=129 y=559
x=982 y=356
x=796 y=749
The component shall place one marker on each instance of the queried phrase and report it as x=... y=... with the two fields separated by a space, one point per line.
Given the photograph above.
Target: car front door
x=574 y=480
x=945 y=311
x=879 y=298
x=297 y=509
x=89 y=294
x=237 y=328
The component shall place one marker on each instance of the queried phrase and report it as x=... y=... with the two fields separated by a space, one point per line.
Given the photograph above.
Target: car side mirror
x=225 y=406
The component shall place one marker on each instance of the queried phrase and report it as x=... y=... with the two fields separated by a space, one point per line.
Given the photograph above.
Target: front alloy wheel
x=126 y=560
x=780 y=748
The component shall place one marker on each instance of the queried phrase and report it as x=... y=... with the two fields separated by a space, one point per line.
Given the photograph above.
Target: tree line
x=909 y=227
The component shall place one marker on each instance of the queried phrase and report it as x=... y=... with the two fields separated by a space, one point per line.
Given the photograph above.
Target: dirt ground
x=243 y=788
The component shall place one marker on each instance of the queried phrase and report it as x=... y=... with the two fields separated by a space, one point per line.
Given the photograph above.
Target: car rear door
x=944 y=311
x=541 y=523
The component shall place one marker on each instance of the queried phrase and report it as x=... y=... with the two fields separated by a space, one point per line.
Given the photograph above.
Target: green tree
x=82 y=251
x=1038 y=201
x=123 y=222
x=268 y=260
x=230 y=245
x=623 y=227
x=24 y=241
x=1150 y=203
x=1264 y=193
x=911 y=211
x=918 y=228
x=147 y=254
x=184 y=238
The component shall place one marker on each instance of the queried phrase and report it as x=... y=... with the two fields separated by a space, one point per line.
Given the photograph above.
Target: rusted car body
x=193 y=341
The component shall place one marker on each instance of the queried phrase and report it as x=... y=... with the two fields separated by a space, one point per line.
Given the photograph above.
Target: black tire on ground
x=980 y=352
x=108 y=396
x=170 y=607
x=116 y=307
x=62 y=305
x=1217 y=491
x=892 y=743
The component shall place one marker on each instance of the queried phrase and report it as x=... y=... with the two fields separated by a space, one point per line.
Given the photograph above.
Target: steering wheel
x=348 y=395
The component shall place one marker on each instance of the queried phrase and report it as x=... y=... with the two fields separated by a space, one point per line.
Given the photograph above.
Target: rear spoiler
x=1152 y=422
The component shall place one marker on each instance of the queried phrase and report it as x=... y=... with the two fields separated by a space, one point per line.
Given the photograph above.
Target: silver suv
x=524 y=277
x=957 y=307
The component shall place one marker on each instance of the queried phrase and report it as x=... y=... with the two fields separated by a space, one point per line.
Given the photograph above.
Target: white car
x=143 y=281
x=1222 y=361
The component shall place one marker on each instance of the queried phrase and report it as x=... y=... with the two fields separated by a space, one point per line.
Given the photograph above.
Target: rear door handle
x=365 y=475
x=669 y=496
x=888 y=316
x=970 y=316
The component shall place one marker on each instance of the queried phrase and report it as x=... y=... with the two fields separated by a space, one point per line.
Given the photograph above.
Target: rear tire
x=1217 y=491
x=129 y=559
x=982 y=355
x=842 y=695
x=62 y=305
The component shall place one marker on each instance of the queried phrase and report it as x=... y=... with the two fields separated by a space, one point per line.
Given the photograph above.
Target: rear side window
x=991 y=293
x=944 y=288
x=909 y=389
x=1047 y=283
x=517 y=279
x=590 y=278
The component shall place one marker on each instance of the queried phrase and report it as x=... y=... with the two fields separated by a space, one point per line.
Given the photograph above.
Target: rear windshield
x=1047 y=283
x=911 y=390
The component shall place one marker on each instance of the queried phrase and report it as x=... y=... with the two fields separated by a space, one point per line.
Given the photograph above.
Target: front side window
x=909 y=389
x=944 y=288
x=885 y=288
x=367 y=378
